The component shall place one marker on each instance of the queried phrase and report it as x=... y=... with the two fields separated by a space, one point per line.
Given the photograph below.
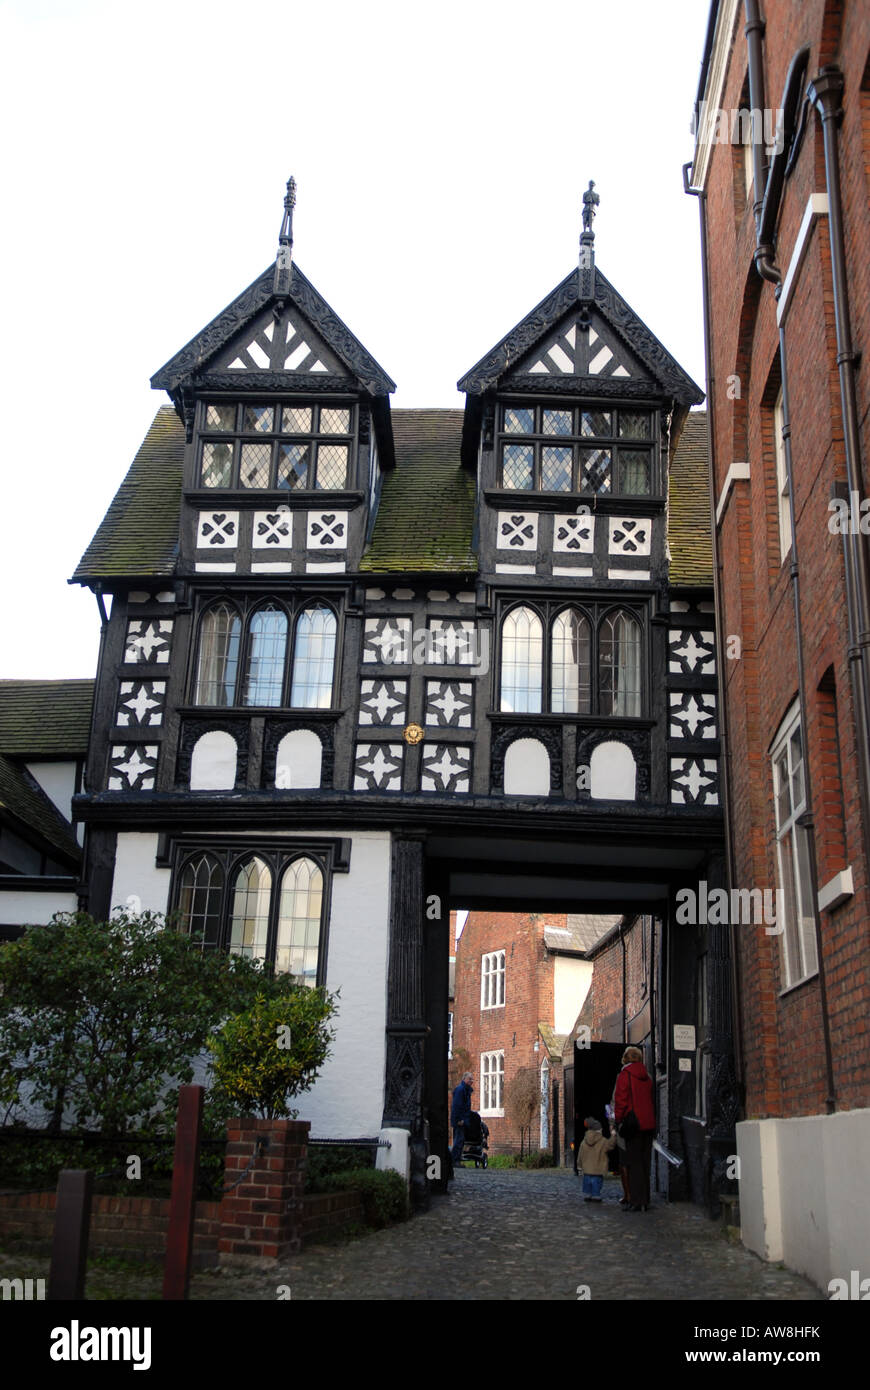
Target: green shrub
x=326 y=1159
x=384 y=1194
x=542 y=1159
x=272 y=1052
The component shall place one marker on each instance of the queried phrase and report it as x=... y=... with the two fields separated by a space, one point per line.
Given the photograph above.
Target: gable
x=579 y=347
x=286 y=343
x=307 y=339
x=543 y=341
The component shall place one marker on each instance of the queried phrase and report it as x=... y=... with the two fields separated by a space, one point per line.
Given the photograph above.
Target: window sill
x=491 y=1114
x=488 y=1008
x=796 y=984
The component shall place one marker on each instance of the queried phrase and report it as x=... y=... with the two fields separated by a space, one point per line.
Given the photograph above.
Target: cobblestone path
x=506 y=1234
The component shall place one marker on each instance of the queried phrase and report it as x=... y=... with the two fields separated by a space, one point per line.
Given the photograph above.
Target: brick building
x=521 y=980
x=785 y=233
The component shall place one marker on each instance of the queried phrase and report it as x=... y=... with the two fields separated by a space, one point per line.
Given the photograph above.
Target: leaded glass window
x=267 y=649
x=249 y=922
x=570 y=668
x=217 y=669
x=300 y=912
x=276 y=446
x=200 y=899
x=798 y=930
x=607 y=451
x=521 y=659
x=619 y=658
x=314 y=659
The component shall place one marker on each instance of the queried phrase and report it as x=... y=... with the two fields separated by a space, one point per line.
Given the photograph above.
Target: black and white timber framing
x=444 y=767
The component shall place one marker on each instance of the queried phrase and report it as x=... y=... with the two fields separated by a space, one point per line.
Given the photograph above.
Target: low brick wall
x=134 y=1226
x=325 y=1214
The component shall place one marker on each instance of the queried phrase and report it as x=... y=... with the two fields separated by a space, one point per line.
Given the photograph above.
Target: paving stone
x=514 y=1234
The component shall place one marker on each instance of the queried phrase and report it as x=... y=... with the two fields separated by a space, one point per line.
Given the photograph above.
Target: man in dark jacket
x=459 y=1113
x=634 y=1092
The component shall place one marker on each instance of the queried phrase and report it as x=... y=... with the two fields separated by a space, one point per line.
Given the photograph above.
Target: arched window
x=213 y=762
x=521 y=662
x=218 y=666
x=299 y=918
x=249 y=923
x=313 y=659
x=199 y=900
x=619 y=665
x=267 y=648
x=570 y=663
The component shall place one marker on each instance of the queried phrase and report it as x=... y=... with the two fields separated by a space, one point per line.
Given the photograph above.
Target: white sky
x=441 y=152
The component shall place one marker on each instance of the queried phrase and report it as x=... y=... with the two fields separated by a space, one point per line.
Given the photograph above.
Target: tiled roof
x=689 y=506
x=138 y=536
x=581 y=931
x=553 y=1041
x=24 y=802
x=45 y=719
x=425 y=520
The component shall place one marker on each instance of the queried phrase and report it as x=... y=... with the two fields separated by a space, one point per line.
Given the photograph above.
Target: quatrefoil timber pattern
x=448 y=704
x=378 y=767
x=692 y=715
x=694 y=781
x=133 y=767
x=446 y=768
x=574 y=535
x=288 y=345
x=218 y=529
x=630 y=535
x=273 y=530
x=383 y=702
x=141 y=704
x=148 y=641
x=327 y=530
x=517 y=531
x=692 y=653
x=387 y=641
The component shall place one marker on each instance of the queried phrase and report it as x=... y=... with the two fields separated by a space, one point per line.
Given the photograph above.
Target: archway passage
x=665 y=985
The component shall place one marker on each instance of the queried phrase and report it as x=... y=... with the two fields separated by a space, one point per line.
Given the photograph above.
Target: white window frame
x=492 y=1083
x=492 y=973
x=798 y=937
x=782 y=499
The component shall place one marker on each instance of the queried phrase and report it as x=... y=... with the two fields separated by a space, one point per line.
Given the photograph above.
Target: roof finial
x=285 y=242
x=586 y=282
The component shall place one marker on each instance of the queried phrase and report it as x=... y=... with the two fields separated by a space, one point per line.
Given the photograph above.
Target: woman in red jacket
x=634 y=1092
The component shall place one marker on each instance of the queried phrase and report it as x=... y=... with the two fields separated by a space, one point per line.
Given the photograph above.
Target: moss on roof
x=138 y=537
x=25 y=804
x=689 y=536
x=425 y=521
x=45 y=719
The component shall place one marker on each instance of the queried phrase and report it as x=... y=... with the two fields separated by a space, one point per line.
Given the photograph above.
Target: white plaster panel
x=217 y=529
x=517 y=531
x=327 y=530
x=347 y=1100
x=58 y=781
x=298 y=760
x=213 y=762
x=137 y=880
x=272 y=531
x=574 y=535
x=571 y=981
x=612 y=772
x=527 y=768
x=34 y=909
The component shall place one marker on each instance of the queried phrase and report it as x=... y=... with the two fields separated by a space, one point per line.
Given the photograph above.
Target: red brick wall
x=782 y=1037
x=135 y=1225
x=512 y=1029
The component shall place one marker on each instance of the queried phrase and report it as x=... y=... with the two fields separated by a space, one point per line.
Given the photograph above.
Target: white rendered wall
x=213 y=762
x=138 y=884
x=34 y=909
x=298 y=760
x=347 y=1100
x=803 y=1193
x=571 y=981
x=613 y=774
x=58 y=781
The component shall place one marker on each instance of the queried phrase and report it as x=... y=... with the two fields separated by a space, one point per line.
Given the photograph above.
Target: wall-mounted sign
x=685 y=1063
x=684 y=1037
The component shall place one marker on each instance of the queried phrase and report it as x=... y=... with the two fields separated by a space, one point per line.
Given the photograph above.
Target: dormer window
x=285 y=446
x=556 y=449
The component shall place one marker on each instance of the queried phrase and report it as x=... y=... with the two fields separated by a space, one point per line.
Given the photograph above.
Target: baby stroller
x=475 y=1144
